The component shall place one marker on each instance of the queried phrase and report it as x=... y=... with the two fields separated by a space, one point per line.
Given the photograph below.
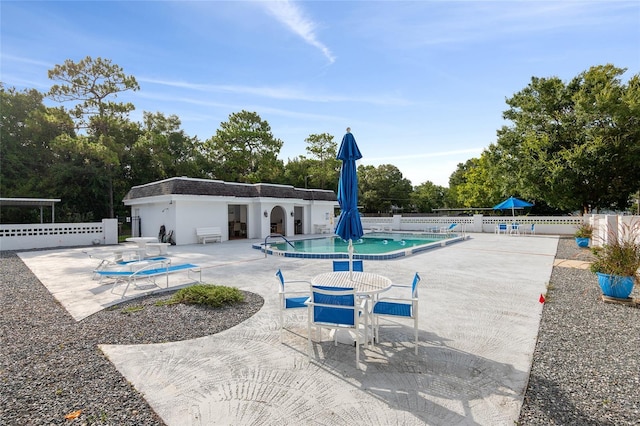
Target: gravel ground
x=586 y=365
x=586 y=368
x=50 y=365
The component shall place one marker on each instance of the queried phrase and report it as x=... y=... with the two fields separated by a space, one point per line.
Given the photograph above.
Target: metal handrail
x=264 y=246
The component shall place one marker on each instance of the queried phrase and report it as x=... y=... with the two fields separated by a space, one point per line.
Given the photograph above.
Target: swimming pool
x=372 y=246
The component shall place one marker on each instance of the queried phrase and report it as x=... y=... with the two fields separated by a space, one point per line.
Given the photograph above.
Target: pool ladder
x=264 y=246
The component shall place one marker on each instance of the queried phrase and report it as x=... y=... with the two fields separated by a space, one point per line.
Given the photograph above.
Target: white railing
x=47 y=235
x=552 y=225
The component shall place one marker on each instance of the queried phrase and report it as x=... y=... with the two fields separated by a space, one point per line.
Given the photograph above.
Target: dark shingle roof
x=190 y=186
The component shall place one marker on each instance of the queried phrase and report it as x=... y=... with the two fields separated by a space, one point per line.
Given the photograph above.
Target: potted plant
x=583 y=235
x=617 y=263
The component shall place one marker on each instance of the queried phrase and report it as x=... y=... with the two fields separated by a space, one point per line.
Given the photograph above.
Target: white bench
x=209 y=233
x=321 y=229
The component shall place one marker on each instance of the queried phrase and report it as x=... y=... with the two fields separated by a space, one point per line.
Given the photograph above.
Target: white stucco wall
x=184 y=213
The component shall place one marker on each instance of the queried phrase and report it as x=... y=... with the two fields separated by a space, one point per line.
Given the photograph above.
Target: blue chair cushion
x=295 y=302
x=390 y=308
x=337 y=316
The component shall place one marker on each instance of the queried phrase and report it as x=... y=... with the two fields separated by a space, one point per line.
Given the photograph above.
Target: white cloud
x=280 y=92
x=293 y=18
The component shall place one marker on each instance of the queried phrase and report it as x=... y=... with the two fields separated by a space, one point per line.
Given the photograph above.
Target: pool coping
x=449 y=239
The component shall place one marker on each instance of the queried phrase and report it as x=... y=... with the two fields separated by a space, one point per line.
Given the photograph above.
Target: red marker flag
x=541 y=298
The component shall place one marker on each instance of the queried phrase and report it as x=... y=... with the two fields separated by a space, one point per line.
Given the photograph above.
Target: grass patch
x=208 y=295
x=132 y=309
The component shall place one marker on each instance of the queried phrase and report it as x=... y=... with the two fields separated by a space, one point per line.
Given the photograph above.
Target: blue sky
x=422 y=84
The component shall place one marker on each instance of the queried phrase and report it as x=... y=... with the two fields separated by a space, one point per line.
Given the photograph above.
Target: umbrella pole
x=350 y=258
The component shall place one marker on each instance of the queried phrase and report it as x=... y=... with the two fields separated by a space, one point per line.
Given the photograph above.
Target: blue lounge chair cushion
x=147 y=272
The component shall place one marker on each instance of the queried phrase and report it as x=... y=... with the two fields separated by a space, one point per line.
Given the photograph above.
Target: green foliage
x=621 y=254
x=585 y=230
x=383 y=189
x=209 y=295
x=572 y=146
x=428 y=196
x=244 y=150
x=89 y=84
x=324 y=167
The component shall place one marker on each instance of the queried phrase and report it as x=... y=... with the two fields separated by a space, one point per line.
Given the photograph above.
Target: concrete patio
x=479 y=317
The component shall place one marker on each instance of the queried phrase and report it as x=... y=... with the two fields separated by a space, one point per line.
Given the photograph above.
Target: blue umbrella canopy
x=349 y=226
x=512 y=203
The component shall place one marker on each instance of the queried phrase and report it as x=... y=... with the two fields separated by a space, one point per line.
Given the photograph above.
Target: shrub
x=621 y=256
x=584 y=231
x=209 y=295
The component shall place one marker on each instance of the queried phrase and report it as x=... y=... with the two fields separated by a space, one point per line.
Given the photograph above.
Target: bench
x=321 y=229
x=149 y=271
x=209 y=233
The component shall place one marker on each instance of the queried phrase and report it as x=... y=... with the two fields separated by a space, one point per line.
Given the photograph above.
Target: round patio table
x=364 y=283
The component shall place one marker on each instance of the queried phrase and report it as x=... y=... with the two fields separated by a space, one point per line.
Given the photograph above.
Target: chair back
x=414 y=285
x=502 y=226
x=453 y=225
x=281 y=279
x=343 y=266
x=334 y=305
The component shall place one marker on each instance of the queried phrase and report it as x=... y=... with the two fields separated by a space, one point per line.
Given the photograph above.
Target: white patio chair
x=399 y=308
x=291 y=298
x=337 y=309
x=502 y=228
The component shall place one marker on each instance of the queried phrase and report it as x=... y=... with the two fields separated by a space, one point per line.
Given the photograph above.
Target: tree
x=325 y=167
x=575 y=145
x=428 y=196
x=163 y=150
x=90 y=84
x=244 y=150
x=383 y=189
x=27 y=127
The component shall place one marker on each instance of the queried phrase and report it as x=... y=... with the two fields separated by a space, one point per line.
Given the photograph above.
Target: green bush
x=209 y=295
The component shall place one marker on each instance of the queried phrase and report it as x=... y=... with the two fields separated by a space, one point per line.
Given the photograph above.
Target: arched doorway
x=278 y=220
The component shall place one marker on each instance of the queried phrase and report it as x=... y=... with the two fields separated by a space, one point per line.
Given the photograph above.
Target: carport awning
x=31 y=202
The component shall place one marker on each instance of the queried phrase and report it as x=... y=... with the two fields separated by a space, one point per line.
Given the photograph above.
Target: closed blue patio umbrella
x=349 y=226
x=512 y=203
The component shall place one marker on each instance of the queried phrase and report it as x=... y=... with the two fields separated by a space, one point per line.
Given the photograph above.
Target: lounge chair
x=448 y=229
x=148 y=271
x=290 y=299
x=531 y=230
x=343 y=266
x=336 y=309
x=114 y=261
x=398 y=307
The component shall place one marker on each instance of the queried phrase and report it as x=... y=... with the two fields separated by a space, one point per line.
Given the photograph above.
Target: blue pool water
x=372 y=246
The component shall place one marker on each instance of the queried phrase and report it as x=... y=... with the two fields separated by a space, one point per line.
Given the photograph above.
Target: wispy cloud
x=293 y=18
x=280 y=92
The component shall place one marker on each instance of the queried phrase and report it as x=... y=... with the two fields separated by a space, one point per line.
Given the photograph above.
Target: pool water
x=365 y=245
x=372 y=246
